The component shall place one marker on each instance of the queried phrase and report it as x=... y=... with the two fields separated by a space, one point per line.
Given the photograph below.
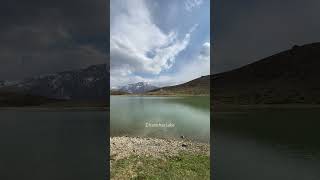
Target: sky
x=162 y=42
x=41 y=37
x=249 y=30
x=48 y=36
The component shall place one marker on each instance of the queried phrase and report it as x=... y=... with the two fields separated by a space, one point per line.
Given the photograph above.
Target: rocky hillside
x=284 y=78
x=199 y=86
x=9 y=99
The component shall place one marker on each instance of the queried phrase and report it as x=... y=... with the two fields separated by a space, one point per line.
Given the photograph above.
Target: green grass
x=184 y=166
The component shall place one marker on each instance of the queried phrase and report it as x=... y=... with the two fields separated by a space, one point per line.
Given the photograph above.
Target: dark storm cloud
x=48 y=36
x=248 y=30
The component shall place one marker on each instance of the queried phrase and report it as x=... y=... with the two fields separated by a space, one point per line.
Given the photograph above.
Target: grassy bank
x=182 y=166
x=163 y=95
x=152 y=158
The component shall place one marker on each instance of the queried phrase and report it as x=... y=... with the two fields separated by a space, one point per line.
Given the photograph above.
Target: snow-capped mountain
x=8 y=83
x=90 y=83
x=139 y=87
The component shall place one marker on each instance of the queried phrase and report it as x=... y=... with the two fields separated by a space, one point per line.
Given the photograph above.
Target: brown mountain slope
x=284 y=78
x=11 y=99
x=118 y=92
x=199 y=86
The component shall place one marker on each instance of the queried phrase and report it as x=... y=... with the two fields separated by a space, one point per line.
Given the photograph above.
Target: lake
x=53 y=144
x=164 y=117
x=267 y=144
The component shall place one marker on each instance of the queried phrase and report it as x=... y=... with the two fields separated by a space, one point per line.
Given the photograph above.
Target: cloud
x=51 y=36
x=138 y=45
x=199 y=66
x=190 y=4
x=205 y=51
x=247 y=31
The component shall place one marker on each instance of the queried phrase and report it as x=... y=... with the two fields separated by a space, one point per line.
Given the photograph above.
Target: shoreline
x=242 y=107
x=161 y=95
x=48 y=108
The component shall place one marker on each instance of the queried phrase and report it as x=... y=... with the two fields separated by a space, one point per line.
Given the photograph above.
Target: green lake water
x=266 y=144
x=53 y=144
x=163 y=117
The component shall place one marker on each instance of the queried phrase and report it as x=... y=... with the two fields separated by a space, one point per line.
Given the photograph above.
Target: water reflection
x=190 y=116
x=268 y=144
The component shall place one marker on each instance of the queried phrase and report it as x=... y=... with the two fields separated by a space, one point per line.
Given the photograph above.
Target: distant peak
x=139 y=83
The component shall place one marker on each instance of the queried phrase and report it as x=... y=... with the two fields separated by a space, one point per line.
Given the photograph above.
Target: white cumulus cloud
x=138 y=45
x=199 y=66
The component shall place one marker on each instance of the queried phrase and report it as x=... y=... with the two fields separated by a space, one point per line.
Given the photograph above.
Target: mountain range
x=90 y=83
x=199 y=86
x=288 y=77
